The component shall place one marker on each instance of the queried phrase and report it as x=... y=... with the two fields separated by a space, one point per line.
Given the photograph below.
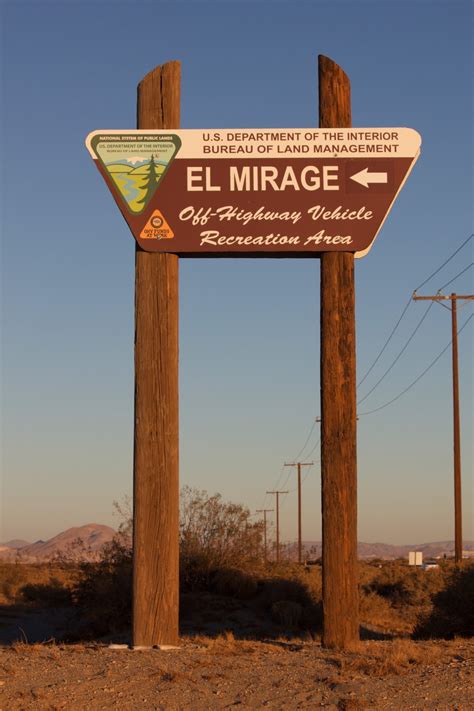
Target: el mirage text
x=250 y=178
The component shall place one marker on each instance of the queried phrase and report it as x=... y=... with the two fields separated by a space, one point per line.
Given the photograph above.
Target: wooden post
x=264 y=511
x=156 y=478
x=277 y=494
x=456 y=436
x=338 y=406
x=300 y=543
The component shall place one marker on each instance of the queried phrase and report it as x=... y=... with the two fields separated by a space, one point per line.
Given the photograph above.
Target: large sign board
x=287 y=192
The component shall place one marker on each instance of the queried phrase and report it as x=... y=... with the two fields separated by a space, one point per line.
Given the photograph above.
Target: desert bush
x=287 y=613
x=389 y=657
x=49 y=594
x=104 y=591
x=405 y=586
x=452 y=612
x=234 y=583
x=214 y=534
x=287 y=586
x=37 y=578
x=217 y=539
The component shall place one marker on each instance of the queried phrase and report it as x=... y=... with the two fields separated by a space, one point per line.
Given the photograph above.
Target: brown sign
x=289 y=192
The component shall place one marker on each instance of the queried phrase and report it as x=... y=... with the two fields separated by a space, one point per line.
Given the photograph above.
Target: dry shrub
x=452 y=614
x=104 y=591
x=293 y=597
x=235 y=583
x=378 y=612
x=51 y=594
x=221 y=644
x=217 y=541
x=390 y=657
x=405 y=585
x=44 y=583
x=395 y=596
x=287 y=586
x=227 y=644
x=287 y=613
x=214 y=534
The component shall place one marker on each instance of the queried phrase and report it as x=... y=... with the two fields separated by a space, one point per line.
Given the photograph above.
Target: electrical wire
x=455 y=277
x=408 y=304
x=377 y=409
x=275 y=486
x=398 y=356
x=319 y=440
x=295 y=488
x=405 y=309
x=445 y=262
x=386 y=343
x=307 y=440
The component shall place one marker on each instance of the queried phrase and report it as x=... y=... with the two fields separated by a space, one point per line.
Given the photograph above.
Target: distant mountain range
x=87 y=542
x=81 y=541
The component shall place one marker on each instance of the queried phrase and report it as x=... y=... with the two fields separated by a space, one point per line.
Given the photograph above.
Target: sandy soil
x=223 y=673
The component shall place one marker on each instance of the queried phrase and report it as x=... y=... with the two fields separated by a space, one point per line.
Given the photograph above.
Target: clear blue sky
x=249 y=330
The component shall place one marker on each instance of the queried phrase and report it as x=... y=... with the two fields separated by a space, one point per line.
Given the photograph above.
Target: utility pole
x=338 y=405
x=264 y=511
x=277 y=494
x=454 y=298
x=299 y=465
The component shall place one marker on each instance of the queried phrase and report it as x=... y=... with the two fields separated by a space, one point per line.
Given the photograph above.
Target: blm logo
x=157 y=227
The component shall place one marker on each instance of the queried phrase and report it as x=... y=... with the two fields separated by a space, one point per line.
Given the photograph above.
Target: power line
x=405 y=309
x=310 y=453
x=386 y=343
x=299 y=454
x=416 y=328
x=302 y=481
x=370 y=412
x=445 y=262
x=398 y=356
x=307 y=440
x=455 y=277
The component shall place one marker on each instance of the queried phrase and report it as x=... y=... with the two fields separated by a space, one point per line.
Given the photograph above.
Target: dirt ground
x=222 y=673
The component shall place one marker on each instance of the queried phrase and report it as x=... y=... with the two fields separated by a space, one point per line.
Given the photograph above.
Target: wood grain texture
x=458 y=545
x=338 y=406
x=156 y=442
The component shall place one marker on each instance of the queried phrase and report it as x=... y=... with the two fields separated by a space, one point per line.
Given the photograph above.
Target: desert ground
x=244 y=643
x=223 y=673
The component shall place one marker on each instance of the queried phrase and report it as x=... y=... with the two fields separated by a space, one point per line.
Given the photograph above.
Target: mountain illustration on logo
x=136 y=167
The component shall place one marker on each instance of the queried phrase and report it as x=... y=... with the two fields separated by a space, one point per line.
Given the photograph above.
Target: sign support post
x=156 y=445
x=338 y=406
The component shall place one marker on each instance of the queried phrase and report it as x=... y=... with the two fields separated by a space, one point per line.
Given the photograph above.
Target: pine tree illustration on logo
x=150 y=184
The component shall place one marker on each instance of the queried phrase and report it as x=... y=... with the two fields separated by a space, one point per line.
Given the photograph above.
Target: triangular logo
x=135 y=164
x=157 y=228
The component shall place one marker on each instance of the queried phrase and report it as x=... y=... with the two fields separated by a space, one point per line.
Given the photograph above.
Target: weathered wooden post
x=156 y=445
x=338 y=406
